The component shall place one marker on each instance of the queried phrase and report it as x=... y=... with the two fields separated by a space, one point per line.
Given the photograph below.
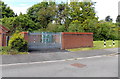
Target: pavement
x=54 y=54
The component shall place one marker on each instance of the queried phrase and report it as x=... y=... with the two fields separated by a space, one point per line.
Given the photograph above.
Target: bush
x=18 y=43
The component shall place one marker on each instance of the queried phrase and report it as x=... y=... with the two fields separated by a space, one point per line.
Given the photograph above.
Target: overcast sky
x=103 y=8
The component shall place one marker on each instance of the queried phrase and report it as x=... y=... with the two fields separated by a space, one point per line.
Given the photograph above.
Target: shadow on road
x=47 y=50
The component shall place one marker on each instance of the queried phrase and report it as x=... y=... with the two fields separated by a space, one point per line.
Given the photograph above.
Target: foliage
x=73 y=17
x=19 y=23
x=82 y=10
x=5 y=49
x=108 y=19
x=8 y=51
x=6 y=11
x=42 y=13
x=75 y=26
x=8 y=22
x=89 y=25
x=18 y=43
x=55 y=28
x=105 y=31
x=24 y=23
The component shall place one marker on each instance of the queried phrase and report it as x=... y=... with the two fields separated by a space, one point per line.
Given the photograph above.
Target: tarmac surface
x=105 y=66
x=54 y=54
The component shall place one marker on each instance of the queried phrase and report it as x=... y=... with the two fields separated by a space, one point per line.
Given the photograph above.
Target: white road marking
x=115 y=54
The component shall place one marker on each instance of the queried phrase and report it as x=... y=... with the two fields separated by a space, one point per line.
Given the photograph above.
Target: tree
x=47 y=14
x=105 y=31
x=24 y=23
x=8 y=22
x=19 y=23
x=6 y=11
x=118 y=20
x=108 y=19
x=81 y=11
x=42 y=13
x=90 y=25
x=55 y=28
x=75 y=26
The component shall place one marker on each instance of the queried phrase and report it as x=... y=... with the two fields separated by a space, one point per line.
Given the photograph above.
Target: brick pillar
x=4 y=40
x=62 y=41
x=1 y=39
x=25 y=35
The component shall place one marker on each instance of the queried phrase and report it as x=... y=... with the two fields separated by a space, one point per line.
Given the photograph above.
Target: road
x=40 y=56
x=106 y=66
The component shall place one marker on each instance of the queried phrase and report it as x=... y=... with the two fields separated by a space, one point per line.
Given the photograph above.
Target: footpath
x=38 y=56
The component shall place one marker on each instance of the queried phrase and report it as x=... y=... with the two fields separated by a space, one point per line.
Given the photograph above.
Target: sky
x=103 y=8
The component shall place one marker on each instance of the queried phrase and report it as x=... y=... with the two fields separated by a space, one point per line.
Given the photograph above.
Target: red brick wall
x=25 y=35
x=76 y=40
x=2 y=38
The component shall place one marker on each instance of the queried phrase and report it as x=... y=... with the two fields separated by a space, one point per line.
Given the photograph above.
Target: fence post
x=104 y=43
x=113 y=43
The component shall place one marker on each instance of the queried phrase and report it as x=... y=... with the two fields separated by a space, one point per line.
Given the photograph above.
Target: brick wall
x=25 y=35
x=0 y=39
x=72 y=39
x=3 y=34
x=3 y=40
x=76 y=40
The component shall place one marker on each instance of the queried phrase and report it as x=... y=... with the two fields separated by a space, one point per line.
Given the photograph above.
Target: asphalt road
x=106 y=66
x=37 y=56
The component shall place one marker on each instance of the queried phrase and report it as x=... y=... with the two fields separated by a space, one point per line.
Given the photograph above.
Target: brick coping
x=75 y=33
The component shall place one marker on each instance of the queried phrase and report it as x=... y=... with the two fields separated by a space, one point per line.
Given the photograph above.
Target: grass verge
x=98 y=45
x=13 y=53
x=8 y=51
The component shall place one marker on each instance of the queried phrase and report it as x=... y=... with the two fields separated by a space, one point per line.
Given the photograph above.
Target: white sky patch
x=106 y=7
x=10 y=1
x=22 y=8
x=23 y=5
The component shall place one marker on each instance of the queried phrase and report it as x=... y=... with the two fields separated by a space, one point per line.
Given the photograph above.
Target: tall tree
x=5 y=10
x=47 y=14
x=108 y=19
x=118 y=19
x=82 y=10
x=42 y=13
x=62 y=15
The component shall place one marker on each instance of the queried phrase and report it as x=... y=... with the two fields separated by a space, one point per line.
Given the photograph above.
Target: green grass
x=13 y=53
x=8 y=51
x=97 y=45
